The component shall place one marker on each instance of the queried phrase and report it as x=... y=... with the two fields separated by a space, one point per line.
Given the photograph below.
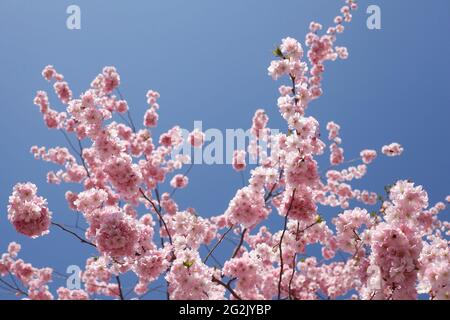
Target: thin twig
x=281 y=244
x=159 y=209
x=292 y=276
x=133 y=127
x=82 y=158
x=158 y=213
x=184 y=174
x=227 y=286
x=77 y=152
x=119 y=285
x=74 y=234
x=241 y=241
x=217 y=244
x=13 y=288
x=270 y=194
x=218 y=263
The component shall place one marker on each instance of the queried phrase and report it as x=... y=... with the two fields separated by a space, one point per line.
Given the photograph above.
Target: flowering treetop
x=394 y=252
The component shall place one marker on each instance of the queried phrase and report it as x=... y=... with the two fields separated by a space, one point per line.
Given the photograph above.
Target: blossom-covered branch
x=129 y=180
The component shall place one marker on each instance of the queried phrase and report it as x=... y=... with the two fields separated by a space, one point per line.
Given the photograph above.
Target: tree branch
x=119 y=285
x=281 y=244
x=158 y=213
x=217 y=244
x=241 y=241
x=227 y=286
x=74 y=234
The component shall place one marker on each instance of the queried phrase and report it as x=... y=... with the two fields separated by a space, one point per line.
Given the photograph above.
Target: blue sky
x=209 y=59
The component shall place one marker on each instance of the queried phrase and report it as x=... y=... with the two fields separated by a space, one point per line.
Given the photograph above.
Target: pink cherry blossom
x=28 y=212
x=117 y=235
x=330 y=237
x=179 y=181
x=196 y=138
x=392 y=150
x=239 y=163
x=368 y=156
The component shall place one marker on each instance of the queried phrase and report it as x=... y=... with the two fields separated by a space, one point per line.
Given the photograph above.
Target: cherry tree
x=398 y=251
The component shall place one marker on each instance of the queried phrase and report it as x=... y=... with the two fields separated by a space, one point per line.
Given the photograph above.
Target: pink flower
x=152 y=97
x=120 y=170
x=117 y=235
x=111 y=79
x=333 y=129
x=33 y=280
x=368 y=156
x=63 y=91
x=66 y=294
x=239 y=163
x=337 y=155
x=124 y=175
x=395 y=251
x=49 y=73
x=151 y=118
x=179 y=181
x=247 y=207
x=299 y=205
x=41 y=100
x=392 y=150
x=90 y=200
x=291 y=48
x=278 y=69
x=196 y=138
x=150 y=266
x=172 y=138
x=342 y=52
x=190 y=279
x=28 y=212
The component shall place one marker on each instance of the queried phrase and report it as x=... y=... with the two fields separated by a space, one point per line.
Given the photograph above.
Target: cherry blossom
x=125 y=181
x=28 y=212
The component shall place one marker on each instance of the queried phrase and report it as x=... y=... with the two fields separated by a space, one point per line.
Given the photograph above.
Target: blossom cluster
x=386 y=246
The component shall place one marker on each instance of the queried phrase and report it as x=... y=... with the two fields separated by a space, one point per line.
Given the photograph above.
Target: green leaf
x=277 y=53
x=188 y=264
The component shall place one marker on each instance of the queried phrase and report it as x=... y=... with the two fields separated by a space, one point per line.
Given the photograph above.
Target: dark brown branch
x=219 y=264
x=217 y=244
x=241 y=241
x=74 y=234
x=281 y=244
x=119 y=285
x=184 y=174
x=294 y=90
x=292 y=276
x=77 y=152
x=227 y=286
x=159 y=209
x=82 y=159
x=18 y=290
x=270 y=194
x=130 y=119
x=158 y=213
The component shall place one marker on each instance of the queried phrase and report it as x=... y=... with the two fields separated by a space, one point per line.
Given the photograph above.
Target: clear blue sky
x=208 y=59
